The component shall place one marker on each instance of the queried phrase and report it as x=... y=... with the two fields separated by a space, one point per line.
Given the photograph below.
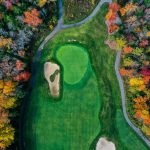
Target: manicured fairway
x=87 y=110
x=75 y=61
x=72 y=122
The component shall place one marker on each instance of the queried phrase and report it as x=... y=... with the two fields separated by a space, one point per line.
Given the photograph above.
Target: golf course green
x=90 y=105
x=75 y=62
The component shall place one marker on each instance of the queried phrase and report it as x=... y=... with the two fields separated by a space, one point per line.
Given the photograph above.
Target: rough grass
x=72 y=123
x=75 y=10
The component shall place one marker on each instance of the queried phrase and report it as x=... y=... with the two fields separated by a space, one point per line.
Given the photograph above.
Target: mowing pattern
x=86 y=109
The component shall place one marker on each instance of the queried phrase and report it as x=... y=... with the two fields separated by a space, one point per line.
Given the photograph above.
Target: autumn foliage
x=24 y=76
x=133 y=39
x=111 y=18
x=31 y=17
x=7 y=101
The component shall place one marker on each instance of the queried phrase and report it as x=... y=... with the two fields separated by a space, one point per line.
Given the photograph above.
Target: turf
x=130 y=139
x=71 y=56
x=72 y=122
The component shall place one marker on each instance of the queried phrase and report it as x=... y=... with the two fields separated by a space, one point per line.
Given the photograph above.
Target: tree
x=7 y=102
x=128 y=62
x=136 y=82
x=9 y=87
x=125 y=72
x=3 y=117
x=31 y=17
x=146 y=130
x=19 y=65
x=120 y=43
x=23 y=76
x=41 y=3
x=6 y=136
x=5 y=42
x=127 y=49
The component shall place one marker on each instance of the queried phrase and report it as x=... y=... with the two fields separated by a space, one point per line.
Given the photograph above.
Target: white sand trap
x=103 y=144
x=49 y=70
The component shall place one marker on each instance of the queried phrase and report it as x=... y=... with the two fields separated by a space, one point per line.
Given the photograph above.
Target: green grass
x=132 y=141
x=86 y=111
x=71 y=56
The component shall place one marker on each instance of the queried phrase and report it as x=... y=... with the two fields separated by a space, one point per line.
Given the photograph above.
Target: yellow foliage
x=8 y=88
x=6 y=136
x=120 y=43
x=136 y=82
x=146 y=130
x=148 y=34
x=5 y=42
x=1 y=84
x=145 y=112
x=41 y=3
x=7 y=102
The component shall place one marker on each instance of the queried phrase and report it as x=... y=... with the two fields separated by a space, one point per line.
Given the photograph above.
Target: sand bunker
x=52 y=75
x=103 y=144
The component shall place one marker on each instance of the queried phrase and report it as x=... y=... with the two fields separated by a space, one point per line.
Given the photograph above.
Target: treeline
x=21 y=23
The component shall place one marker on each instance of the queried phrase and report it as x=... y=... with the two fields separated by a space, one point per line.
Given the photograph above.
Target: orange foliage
x=147 y=121
x=112 y=28
x=127 y=50
x=128 y=7
x=114 y=7
x=125 y=72
x=141 y=87
x=9 y=87
x=32 y=18
x=146 y=79
x=111 y=16
x=138 y=114
x=140 y=99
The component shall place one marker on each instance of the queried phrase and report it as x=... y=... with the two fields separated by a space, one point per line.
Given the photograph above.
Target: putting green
x=74 y=60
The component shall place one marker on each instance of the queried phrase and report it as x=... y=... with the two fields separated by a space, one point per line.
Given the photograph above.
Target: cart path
x=123 y=98
x=61 y=26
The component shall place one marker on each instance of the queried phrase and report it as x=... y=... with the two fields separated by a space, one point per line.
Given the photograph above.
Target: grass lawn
x=87 y=110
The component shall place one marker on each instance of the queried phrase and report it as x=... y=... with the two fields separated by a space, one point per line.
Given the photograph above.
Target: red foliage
x=145 y=72
x=143 y=43
x=114 y=7
x=24 y=76
x=131 y=38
